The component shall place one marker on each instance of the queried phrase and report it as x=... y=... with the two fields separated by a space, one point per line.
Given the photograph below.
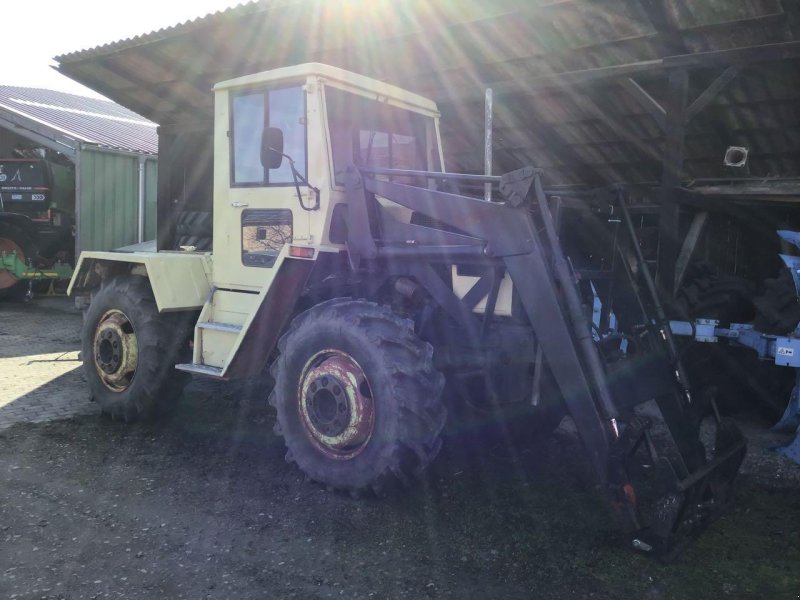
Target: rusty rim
x=336 y=404
x=7 y=246
x=116 y=351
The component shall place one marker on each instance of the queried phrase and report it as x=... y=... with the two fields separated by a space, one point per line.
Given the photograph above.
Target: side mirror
x=271 y=148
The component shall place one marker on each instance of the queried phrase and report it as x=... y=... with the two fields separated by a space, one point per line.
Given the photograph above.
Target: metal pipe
x=581 y=327
x=487 y=142
x=661 y=316
x=431 y=174
x=76 y=160
x=140 y=230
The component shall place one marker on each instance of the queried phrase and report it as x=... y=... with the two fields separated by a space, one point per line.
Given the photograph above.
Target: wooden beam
x=533 y=85
x=646 y=101
x=711 y=92
x=668 y=224
x=689 y=246
x=737 y=56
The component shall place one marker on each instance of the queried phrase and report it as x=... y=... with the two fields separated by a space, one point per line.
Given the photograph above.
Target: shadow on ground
x=203 y=505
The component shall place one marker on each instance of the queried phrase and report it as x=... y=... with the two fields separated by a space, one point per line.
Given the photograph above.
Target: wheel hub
x=116 y=354
x=336 y=405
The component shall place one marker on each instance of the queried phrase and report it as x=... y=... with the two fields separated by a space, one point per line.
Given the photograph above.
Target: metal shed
x=113 y=150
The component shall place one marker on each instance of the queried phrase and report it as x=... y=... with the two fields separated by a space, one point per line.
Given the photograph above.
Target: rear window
x=22 y=174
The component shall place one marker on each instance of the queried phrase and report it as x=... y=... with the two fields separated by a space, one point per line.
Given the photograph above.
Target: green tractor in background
x=37 y=218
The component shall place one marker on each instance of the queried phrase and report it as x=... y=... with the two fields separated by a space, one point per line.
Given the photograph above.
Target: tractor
x=369 y=281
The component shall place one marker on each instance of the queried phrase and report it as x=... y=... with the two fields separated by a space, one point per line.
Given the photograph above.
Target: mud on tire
x=392 y=416
x=160 y=340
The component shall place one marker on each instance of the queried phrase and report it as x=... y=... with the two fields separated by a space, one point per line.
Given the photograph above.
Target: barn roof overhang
x=582 y=87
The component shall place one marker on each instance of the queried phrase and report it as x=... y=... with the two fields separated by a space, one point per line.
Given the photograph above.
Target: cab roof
x=334 y=75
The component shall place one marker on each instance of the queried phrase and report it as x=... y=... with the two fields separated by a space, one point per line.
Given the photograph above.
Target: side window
x=251 y=112
x=248 y=125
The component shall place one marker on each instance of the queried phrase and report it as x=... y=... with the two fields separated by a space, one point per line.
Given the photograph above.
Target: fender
x=24 y=222
x=180 y=280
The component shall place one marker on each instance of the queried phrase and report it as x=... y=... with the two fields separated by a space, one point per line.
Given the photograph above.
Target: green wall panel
x=109 y=199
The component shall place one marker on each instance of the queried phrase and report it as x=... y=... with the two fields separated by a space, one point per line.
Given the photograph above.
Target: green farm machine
x=37 y=215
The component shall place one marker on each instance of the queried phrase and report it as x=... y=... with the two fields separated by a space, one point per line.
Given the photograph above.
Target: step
x=205 y=370
x=215 y=326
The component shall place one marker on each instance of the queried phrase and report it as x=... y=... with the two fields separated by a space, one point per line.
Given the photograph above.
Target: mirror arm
x=298 y=179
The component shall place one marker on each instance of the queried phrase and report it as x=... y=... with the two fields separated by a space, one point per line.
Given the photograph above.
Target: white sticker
x=3 y=176
x=785 y=351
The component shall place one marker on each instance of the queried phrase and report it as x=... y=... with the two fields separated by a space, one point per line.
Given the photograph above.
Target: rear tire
x=16 y=239
x=129 y=350
x=357 y=396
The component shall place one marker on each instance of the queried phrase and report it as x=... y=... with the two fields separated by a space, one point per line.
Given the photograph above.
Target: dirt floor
x=203 y=505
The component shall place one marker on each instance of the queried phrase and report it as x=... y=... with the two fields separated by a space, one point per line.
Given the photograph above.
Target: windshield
x=370 y=133
x=18 y=174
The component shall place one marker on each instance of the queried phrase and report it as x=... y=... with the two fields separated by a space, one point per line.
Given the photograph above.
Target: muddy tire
x=129 y=350
x=721 y=366
x=16 y=239
x=777 y=308
x=706 y=295
x=357 y=397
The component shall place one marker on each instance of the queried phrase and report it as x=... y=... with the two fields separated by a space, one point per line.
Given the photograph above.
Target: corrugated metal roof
x=245 y=8
x=451 y=51
x=89 y=120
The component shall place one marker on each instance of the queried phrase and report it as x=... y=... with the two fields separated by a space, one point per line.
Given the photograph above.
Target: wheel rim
x=7 y=246
x=116 y=352
x=336 y=405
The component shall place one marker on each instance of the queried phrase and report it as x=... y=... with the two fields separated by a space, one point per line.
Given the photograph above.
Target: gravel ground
x=203 y=505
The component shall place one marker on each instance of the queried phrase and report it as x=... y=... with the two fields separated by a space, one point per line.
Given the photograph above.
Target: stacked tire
x=720 y=366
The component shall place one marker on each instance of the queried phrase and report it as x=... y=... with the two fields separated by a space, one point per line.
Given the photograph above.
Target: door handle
x=239 y=204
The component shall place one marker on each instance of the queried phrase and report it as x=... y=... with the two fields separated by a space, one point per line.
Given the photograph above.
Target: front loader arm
x=507 y=233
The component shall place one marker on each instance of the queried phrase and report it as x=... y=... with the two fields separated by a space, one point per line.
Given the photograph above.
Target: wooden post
x=671 y=177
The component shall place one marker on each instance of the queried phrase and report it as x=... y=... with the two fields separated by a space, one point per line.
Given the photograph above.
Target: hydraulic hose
x=581 y=328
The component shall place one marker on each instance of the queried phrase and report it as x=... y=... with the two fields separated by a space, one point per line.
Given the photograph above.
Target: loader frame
x=503 y=237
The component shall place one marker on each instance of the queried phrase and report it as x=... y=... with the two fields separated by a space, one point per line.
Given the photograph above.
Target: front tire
x=358 y=399
x=129 y=350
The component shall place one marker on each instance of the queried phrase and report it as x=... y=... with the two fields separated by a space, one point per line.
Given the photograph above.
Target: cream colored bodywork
x=309 y=228
x=229 y=292
x=180 y=280
x=463 y=283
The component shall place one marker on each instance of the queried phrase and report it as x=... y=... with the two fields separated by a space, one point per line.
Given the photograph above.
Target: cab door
x=256 y=208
